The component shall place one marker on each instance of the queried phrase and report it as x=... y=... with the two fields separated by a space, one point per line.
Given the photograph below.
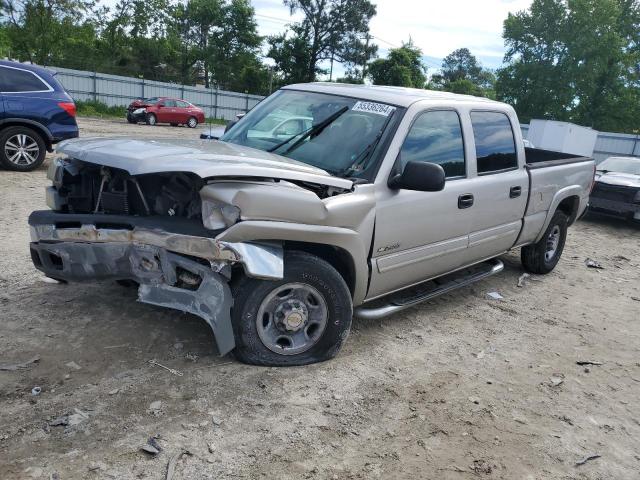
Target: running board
x=404 y=299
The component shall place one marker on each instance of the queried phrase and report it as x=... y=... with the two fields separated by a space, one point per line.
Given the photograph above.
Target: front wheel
x=302 y=319
x=192 y=122
x=21 y=149
x=542 y=257
x=151 y=119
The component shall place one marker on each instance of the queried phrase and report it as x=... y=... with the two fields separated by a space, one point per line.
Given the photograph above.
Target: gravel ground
x=461 y=387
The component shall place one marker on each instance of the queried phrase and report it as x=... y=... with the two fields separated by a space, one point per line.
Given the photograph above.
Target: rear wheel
x=303 y=318
x=192 y=122
x=542 y=257
x=151 y=119
x=21 y=149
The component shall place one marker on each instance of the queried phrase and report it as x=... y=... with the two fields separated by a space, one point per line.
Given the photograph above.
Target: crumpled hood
x=204 y=158
x=619 y=179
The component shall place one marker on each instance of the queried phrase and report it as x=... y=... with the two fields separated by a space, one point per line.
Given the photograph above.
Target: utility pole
x=331 y=71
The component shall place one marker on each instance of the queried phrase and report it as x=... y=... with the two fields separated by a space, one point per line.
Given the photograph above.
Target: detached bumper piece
x=166 y=279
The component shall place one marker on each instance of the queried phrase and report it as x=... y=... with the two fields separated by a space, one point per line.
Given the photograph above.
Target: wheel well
x=569 y=206
x=337 y=257
x=35 y=127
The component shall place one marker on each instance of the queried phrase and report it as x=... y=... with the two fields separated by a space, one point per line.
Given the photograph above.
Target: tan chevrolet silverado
x=368 y=201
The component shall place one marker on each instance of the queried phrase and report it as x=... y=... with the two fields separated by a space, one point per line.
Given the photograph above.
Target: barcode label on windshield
x=371 y=107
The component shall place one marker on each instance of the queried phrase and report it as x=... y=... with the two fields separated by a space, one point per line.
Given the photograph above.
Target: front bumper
x=174 y=269
x=614 y=208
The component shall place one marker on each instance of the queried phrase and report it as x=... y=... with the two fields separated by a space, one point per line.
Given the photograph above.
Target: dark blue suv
x=35 y=113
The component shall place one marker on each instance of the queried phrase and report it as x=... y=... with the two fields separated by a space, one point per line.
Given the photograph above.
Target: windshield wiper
x=314 y=130
x=362 y=156
x=602 y=171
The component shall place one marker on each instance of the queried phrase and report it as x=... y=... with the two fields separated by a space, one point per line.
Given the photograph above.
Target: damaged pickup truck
x=387 y=198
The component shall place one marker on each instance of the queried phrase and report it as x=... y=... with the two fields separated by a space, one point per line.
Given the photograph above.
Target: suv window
x=15 y=80
x=495 y=144
x=436 y=137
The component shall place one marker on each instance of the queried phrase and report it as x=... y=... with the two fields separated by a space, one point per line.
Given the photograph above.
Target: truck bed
x=539 y=158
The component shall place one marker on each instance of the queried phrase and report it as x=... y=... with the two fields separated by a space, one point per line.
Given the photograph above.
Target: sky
x=438 y=27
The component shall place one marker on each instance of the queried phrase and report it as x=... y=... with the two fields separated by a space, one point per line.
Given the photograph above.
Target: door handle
x=515 y=192
x=465 y=201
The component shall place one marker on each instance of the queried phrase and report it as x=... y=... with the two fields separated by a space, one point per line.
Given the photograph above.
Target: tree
x=574 y=60
x=335 y=30
x=462 y=73
x=403 y=68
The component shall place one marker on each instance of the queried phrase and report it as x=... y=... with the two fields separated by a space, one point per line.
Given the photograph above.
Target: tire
x=151 y=119
x=21 y=149
x=192 y=122
x=542 y=257
x=291 y=331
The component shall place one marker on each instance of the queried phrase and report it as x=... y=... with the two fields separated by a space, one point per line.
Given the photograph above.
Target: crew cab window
x=14 y=80
x=436 y=137
x=495 y=144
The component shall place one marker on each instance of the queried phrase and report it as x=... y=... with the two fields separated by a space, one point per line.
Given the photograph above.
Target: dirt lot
x=462 y=387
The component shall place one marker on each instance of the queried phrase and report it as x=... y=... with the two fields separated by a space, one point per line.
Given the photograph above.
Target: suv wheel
x=303 y=318
x=192 y=122
x=542 y=257
x=21 y=149
x=151 y=119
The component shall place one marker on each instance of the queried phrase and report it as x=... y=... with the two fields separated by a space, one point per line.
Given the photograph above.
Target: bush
x=93 y=108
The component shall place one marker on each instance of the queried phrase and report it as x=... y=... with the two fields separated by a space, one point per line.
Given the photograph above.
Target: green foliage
x=331 y=30
x=462 y=73
x=402 y=68
x=574 y=60
x=92 y=108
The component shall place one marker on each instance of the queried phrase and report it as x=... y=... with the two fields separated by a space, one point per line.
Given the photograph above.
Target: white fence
x=609 y=144
x=115 y=90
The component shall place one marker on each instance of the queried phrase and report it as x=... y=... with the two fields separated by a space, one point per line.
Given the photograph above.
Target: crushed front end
x=105 y=224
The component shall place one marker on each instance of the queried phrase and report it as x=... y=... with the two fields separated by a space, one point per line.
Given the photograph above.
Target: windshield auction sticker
x=371 y=107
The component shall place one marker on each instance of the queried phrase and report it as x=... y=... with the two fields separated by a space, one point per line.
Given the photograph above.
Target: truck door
x=421 y=235
x=501 y=188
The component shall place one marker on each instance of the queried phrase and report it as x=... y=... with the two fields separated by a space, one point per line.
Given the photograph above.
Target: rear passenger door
x=500 y=189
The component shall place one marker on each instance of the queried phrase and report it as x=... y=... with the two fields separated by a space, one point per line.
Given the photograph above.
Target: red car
x=165 y=110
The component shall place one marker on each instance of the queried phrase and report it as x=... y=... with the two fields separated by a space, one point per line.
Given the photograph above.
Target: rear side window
x=436 y=137
x=14 y=80
x=495 y=144
x=182 y=104
x=169 y=103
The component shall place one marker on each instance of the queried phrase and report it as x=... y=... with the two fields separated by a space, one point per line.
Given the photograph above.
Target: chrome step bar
x=398 y=304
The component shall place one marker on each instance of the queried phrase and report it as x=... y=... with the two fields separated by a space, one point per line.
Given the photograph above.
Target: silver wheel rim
x=292 y=318
x=553 y=240
x=21 y=149
x=192 y=122
x=152 y=119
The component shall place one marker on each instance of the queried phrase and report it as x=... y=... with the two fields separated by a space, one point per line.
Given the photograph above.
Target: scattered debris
x=114 y=391
x=637 y=299
x=593 y=264
x=73 y=365
x=587 y=459
x=494 y=296
x=622 y=258
x=171 y=466
x=480 y=355
x=170 y=370
x=35 y=391
x=522 y=278
x=61 y=421
x=18 y=366
x=155 y=408
x=582 y=363
x=211 y=447
x=475 y=400
x=49 y=280
x=557 y=379
x=152 y=447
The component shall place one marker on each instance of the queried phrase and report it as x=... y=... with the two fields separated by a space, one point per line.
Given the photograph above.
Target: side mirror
x=419 y=176
x=160 y=105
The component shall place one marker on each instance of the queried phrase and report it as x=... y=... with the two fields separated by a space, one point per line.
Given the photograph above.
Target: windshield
x=621 y=165
x=337 y=134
